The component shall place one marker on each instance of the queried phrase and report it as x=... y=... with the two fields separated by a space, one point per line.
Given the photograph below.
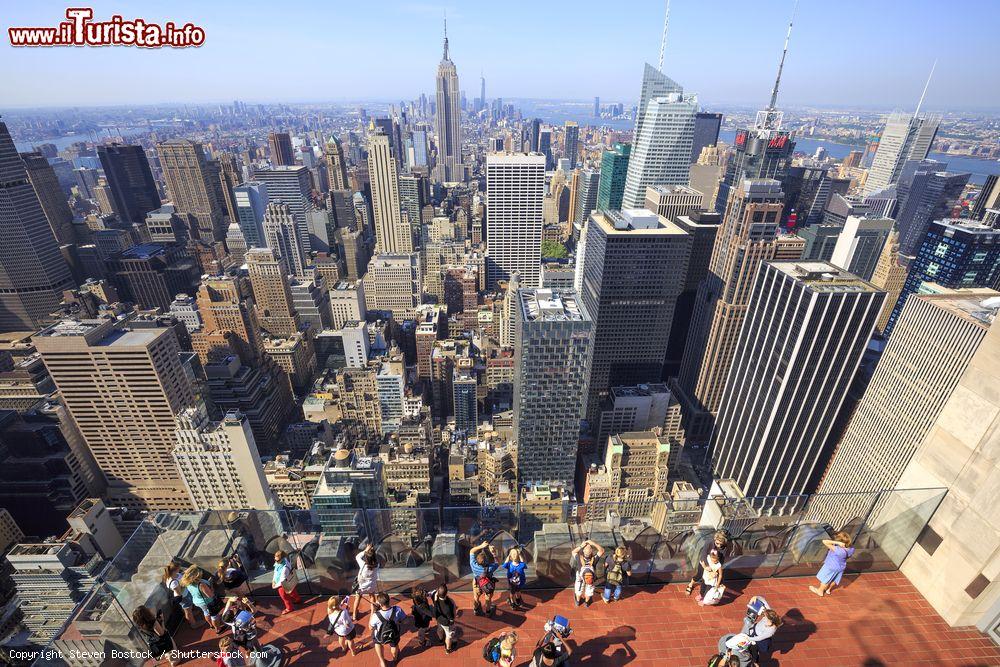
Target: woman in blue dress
x=834 y=564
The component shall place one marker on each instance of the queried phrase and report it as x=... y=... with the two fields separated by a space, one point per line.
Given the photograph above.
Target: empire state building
x=448 y=121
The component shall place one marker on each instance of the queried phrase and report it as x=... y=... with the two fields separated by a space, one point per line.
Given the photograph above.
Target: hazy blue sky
x=844 y=52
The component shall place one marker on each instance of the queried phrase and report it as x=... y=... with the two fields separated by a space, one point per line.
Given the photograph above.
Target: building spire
x=926 y=86
x=781 y=65
x=663 y=39
x=445 y=35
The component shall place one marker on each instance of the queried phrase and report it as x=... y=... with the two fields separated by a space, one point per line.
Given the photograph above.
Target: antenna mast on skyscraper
x=926 y=86
x=446 y=34
x=663 y=39
x=770 y=118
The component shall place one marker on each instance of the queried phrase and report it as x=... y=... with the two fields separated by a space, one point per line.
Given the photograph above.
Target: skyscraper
x=571 y=142
x=614 y=168
x=251 y=203
x=554 y=335
x=903 y=138
x=50 y=195
x=33 y=273
x=588 y=185
x=597 y=107
x=955 y=253
x=935 y=338
x=272 y=295
x=805 y=330
x=336 y=165
x=150 y=275
x=392 y=232
x=664 y=134
x=927 y=195
x=219 y=462
x=860 y=244
x=124 y=386
x=132 y=186
x=989 y=197
x=447 y=121
x=747 y=236
x=672 y=201
x=293 y=186
x=282 y=237
x=515 y=190
x=280 y=145
x=889 y=276
x=706 y=132
x=194 y=186
x=634 y=268
x=393 y=284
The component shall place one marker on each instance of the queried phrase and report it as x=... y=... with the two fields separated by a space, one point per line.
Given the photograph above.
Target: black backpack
x=388 y=629
x=491 y=652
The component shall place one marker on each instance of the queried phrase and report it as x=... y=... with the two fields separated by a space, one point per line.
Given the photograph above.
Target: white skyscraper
x=904 y=138
x=392 y=232
x=447 y=120
x=662 y=152
x=292 y=185
x=281 y=234
x=515 y=189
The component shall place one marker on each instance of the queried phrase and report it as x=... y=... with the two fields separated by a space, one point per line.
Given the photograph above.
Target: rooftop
x=551 y=306
x=874 y=619
x=980 y=304
x=823 y=277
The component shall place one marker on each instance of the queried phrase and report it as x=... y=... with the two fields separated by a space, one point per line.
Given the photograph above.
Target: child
x=341 y=622
x=422 y=613
x=515 y=577
x=618 y=569
x=835 y=563
x=711 y=579
x=501 y=651
x=384 y=624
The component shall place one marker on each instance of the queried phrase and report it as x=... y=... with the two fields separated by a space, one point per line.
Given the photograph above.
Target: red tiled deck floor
x=875 y=619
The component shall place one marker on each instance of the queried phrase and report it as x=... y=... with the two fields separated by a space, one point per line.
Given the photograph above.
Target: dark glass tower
x=133 y=189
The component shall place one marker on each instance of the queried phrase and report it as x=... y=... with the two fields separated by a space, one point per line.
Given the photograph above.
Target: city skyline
x=817 y=71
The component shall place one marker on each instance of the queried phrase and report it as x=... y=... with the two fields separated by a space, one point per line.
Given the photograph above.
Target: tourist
x=839 y=550
x=155 y=633
x=550 y=655
x=342 y=624
x=230 y=572
x=367 y=581
x=505 y=652
x=617 y=572
x=754 y=640
x=284 y=581
x=583 y=559
x=711 y=580
x=172 y=580
x=385 y=627
x=444 y=613
x=720 y=545
x=229 y=654
x=482 y=560
x=516 y=578
x=423 y=613
x=238 y=616
x=203 y=595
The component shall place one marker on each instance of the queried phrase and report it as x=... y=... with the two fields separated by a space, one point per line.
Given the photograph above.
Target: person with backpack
x=445 y=612
x=230 y=572
x=516 y=578
x=835 y=563
x=385 y=627
x=367 y=581
x=583 y=560
x=203 y=595
x=721 y=545
x=152 y=629
x=501 y=650
x=238 y=614
x=482 y=561
x=341 y=622
x=550 y=655
x=616 y=574
x=284 y=581
x=422 y=613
